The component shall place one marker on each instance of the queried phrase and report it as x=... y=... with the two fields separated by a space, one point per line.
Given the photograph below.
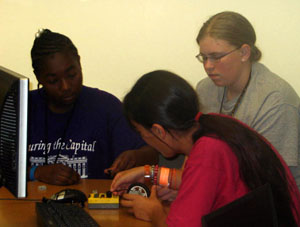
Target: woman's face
x=155 y=141
x=226 y=70
x=61 y=78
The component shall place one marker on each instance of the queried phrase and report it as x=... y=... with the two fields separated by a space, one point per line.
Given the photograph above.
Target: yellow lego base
x=102 y=201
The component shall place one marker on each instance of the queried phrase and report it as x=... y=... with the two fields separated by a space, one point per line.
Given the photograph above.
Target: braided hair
x=47 y=43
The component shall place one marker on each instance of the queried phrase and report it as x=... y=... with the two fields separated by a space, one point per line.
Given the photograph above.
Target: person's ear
x=158 y=131
x=245 y=52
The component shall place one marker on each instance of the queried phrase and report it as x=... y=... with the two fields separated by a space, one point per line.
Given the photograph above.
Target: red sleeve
x=210 y=180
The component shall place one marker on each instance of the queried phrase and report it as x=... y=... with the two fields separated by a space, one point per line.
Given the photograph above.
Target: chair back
x=256 y=208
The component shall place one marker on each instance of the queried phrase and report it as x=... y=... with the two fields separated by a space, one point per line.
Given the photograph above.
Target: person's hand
x=144 y=208
x=124 y=179
x=57 y=174
x=125 y=160
x=166 y=194
x=133 y=158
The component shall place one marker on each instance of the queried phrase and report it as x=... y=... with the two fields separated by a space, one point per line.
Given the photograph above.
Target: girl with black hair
x=226 y=159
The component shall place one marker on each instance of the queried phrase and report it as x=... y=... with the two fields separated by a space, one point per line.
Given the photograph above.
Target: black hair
x=164 y=98
x=153 y=100
x=47 y=43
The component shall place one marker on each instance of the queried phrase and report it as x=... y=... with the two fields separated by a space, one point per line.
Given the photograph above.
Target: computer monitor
x=13 y=131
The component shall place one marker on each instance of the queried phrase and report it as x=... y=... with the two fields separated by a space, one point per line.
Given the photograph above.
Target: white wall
x=119 y=40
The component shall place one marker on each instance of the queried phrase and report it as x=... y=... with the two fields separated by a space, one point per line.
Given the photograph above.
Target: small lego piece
x=103 y=200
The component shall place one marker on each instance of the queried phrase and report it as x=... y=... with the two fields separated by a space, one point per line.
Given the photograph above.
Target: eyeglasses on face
x=214 y=59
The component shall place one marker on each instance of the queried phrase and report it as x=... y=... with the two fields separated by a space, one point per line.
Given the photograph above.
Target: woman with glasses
x=239 y=86
x=226 y=160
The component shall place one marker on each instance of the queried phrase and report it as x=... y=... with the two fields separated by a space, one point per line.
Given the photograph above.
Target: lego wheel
x=139 y=189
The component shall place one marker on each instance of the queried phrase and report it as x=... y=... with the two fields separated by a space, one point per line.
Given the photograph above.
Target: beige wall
x=119 y=40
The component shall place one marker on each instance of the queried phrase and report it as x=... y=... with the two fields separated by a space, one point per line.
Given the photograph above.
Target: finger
x=116 y=164
x=120 y=191
x=75 y=178
x=126 y=203
x=68 y=176
x=72 y=175
x=167 y=197
x=65 y=171
x=59 y=180
x=153 y=192
x=112 y=170
x=161 y=191
x=107 y=171
x=130 y=196
x=115 y=183
x=119 y=182
x=64 y=181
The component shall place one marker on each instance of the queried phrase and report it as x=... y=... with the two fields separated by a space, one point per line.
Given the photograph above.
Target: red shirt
x=210 y=180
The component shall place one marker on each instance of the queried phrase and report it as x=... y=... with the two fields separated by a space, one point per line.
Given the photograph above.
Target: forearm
x=57 y=174
x=165 y=177
x=174 y=178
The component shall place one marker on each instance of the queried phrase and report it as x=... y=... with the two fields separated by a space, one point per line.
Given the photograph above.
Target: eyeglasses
x=213 y=59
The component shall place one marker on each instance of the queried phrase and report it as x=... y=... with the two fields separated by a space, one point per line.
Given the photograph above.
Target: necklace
x=237 y=102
